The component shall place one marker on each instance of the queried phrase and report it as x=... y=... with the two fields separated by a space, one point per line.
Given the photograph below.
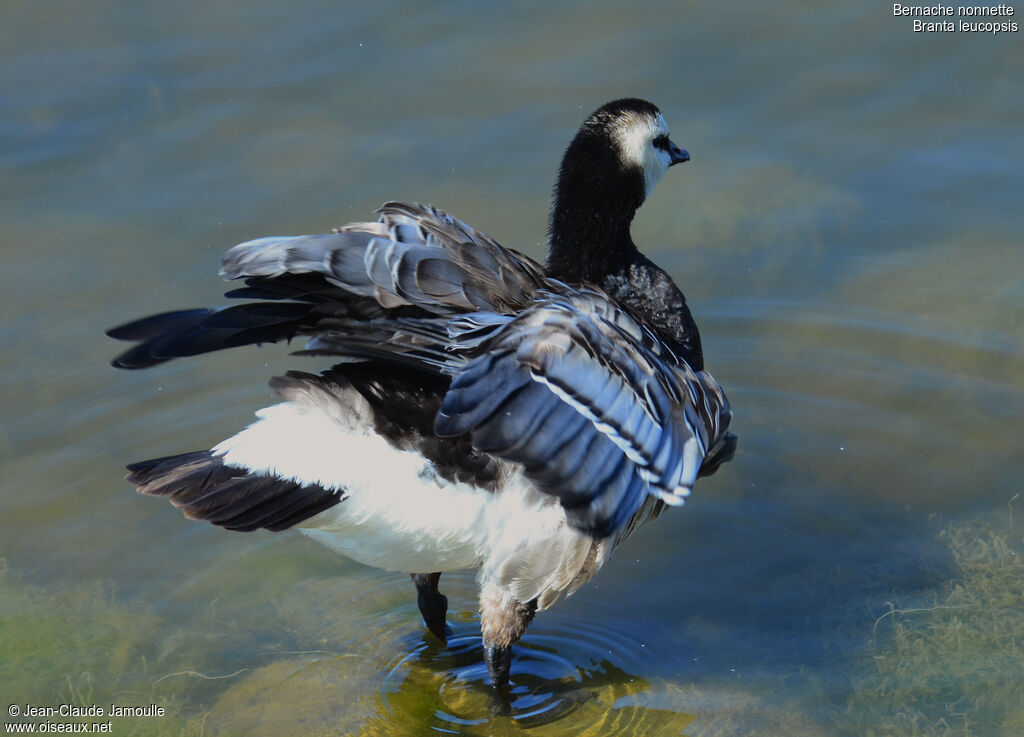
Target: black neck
x=594 y=203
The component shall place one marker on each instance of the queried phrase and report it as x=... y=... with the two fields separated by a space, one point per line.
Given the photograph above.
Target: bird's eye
x=662 y=142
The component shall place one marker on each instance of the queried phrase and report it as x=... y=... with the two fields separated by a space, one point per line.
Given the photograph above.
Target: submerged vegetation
x=949 y=661
x=952 y=663
x=79 y=647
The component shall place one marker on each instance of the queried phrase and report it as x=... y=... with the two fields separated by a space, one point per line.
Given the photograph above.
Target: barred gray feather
x=598 y=413
x=596 y=407
x=413 y=255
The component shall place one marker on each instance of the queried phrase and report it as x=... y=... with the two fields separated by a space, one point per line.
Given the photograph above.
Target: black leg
x=503 y=620
x=499 y=664
x=432 y=603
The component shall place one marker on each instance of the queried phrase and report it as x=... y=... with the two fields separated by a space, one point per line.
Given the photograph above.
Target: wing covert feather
x=599 y=413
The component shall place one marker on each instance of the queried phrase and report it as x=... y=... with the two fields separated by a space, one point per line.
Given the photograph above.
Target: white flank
x=398 y=515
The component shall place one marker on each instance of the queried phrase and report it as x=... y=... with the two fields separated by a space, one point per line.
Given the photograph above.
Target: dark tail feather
x=191 y=332
x=721 y=452
x=204 y=488
x=150 y=327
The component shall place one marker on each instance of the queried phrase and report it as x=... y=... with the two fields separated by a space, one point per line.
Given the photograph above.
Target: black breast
x=652 y=298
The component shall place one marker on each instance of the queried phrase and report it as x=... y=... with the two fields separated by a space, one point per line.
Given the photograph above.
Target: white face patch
x=635 y=134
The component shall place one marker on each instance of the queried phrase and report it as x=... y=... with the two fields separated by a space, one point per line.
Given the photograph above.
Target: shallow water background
x=850 y=238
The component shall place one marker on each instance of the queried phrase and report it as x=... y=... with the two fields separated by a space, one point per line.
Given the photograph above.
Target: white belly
x=518 y=537
x=414 y=524
x=397 y=514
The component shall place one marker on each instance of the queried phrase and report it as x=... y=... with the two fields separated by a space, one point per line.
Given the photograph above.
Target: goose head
x=618 y=155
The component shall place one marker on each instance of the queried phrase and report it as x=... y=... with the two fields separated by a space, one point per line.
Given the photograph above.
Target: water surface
x=848 y=234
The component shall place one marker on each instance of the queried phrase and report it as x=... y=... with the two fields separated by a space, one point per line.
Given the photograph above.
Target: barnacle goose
x=485 y=411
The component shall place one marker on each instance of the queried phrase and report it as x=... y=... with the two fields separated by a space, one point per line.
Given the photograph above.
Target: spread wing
x=599 y=412
x=415 y=261
x=413 y=256
x=596 y=409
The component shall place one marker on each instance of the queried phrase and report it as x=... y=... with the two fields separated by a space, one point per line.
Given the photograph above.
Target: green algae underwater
x=947 y=662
